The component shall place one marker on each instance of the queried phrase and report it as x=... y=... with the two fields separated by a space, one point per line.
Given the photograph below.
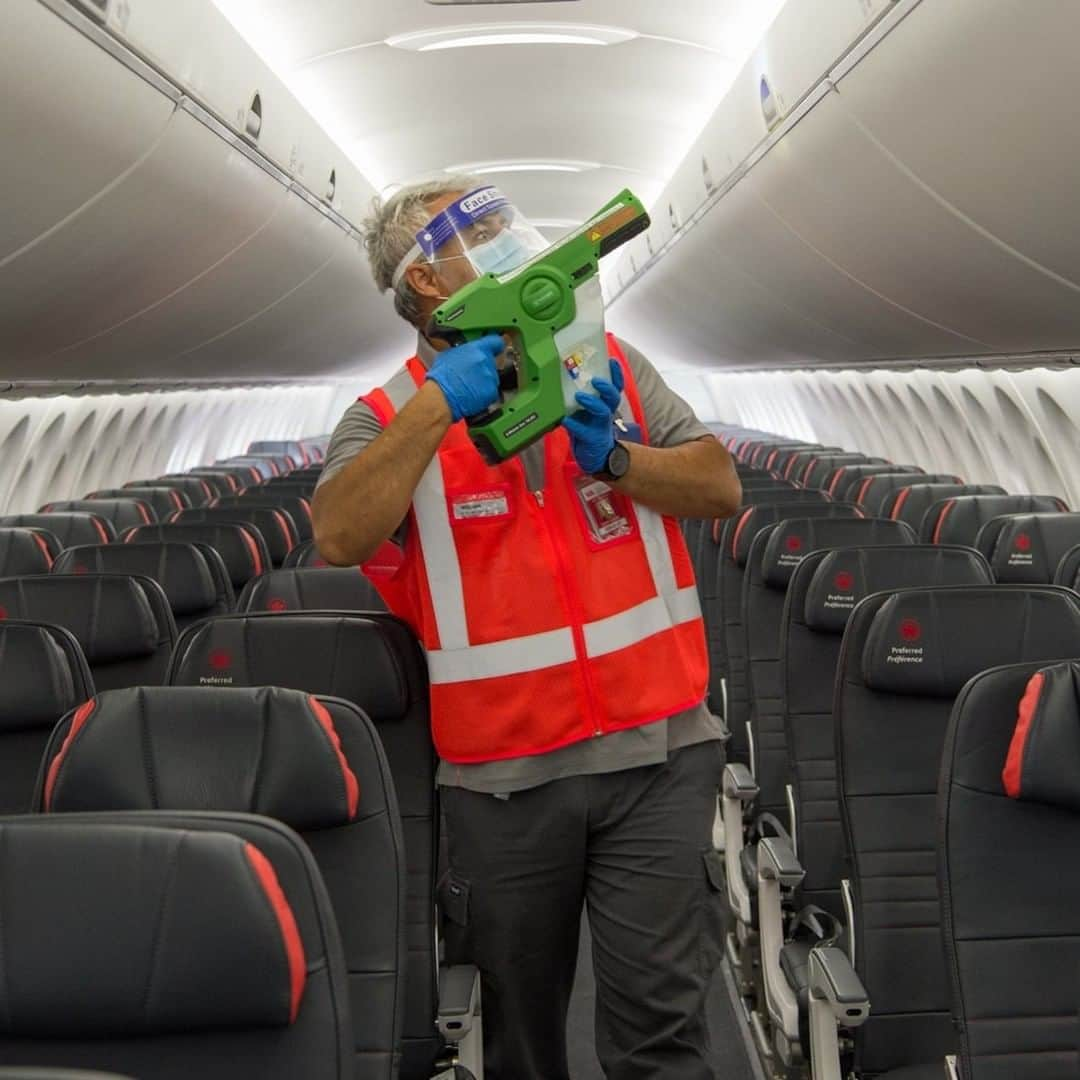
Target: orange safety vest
x=539 y=633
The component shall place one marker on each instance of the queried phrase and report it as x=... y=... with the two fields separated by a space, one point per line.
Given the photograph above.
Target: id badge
x=605 y=510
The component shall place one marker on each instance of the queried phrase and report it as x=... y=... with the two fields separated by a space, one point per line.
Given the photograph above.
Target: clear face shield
x=480 y=233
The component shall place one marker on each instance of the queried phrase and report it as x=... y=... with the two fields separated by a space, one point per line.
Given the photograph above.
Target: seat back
x=23 y=551
x=314 y=763
x=774 y=554
x=735 y=541
x=338 y=588
x=57 y=1074
x=1027 y=548
x=43 y=674
x=958 y=520
x=705 y=553
x=304 y=556
x=169 y=946
x=241 y=547
x=874 y=490
x=123 y=513
x=905 y=657
x=276 y=525
x=282 y=447
x=223 y=480
x=164 y=500
x=911 y=503
x=296 y=506
x=821 y=466
x=265 y=465
x=1009 y=821
x=844 y=480
x=185 y=572
x=374 y=661
x=791 y=464
x=68 y=529
x=195 y=488
x=825 y=588
x=122 y=622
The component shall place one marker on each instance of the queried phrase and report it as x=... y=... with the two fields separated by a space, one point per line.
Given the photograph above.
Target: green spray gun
x=532 y=304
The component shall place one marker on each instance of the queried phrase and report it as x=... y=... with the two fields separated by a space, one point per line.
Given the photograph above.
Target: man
x=555 y=599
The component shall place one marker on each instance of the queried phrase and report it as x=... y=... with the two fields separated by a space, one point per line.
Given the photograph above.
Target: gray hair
x=391 y=231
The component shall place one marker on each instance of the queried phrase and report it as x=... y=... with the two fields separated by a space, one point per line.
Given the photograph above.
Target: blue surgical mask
x=499 y=255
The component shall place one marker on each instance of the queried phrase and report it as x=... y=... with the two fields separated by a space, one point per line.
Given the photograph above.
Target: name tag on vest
x=480 y=504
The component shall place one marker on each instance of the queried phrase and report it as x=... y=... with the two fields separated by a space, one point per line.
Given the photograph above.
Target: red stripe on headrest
x=836 y=479
x=738 y=531
x=147 y=519
x=352 y=785
x=290 y=932
x=82 y=714
x=253 y=548
x=863 y=487
x=40 y=541
x=941 y=519
x=1014 y=761
x=900 y=500
x=285 y=531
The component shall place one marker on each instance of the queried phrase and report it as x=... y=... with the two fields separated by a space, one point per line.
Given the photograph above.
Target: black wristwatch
x=618 y=461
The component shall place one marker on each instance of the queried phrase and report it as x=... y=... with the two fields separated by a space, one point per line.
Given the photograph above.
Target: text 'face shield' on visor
x=482 y=232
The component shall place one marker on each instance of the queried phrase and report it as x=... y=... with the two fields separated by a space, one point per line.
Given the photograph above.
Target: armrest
x=833 y=980
x=777 y=862
x=738 y=783
x=459 y=1000
x=952 y=1070
x=777 y=868
x=837 y=997
x=738 y=790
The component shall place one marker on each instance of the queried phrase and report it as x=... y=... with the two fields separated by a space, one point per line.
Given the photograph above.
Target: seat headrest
x=23 y=551
x=180 y=569
x=792 y=540
x=121 y=512
x=109 y=614
x=73 y=527
x=929 y=642
x=755 y=518
x=241 y=547
x=338 y=588
x=1030 y=546
x=261 y=751
x=37 y=683
x=135 y=930
x=957 y=520
x=1043 y=763
x=348 y=655
x=846 y=576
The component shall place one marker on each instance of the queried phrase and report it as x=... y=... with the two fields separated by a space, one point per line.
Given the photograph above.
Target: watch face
x=618 y=461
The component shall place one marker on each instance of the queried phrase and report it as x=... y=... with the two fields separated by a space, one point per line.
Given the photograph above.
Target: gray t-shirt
x=671 y=422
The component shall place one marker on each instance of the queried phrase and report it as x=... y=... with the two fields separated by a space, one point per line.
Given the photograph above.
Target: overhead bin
x=906 y=204
x=169 y=231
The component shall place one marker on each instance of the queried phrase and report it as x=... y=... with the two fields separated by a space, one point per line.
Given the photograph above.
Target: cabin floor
x=729 y=1034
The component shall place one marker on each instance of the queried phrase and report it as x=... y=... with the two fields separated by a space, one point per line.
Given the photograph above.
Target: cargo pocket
x=454 y=917
x=714 y=921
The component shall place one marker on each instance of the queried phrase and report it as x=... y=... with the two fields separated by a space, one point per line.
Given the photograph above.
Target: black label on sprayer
x=523 y=423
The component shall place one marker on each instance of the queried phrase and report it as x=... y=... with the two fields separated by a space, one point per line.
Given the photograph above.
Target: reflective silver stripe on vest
x=641 y=621
x=511 y=657
x=436 y=538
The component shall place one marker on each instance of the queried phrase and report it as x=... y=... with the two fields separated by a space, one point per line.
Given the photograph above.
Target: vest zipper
x=576 y=628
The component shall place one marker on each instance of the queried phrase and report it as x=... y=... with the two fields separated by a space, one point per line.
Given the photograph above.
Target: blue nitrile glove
x=467 y=376
x=592 y=434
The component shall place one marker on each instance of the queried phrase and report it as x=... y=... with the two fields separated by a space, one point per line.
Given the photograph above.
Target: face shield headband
x=493 y=236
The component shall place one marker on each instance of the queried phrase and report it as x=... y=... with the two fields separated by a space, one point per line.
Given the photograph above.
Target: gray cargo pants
x=635 y=847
